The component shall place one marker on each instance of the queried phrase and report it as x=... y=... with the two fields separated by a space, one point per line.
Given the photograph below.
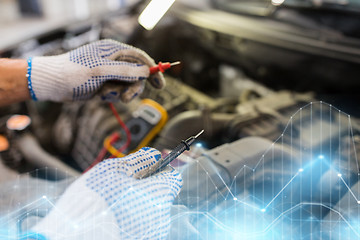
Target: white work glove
x=108 y=203
x=79 y=74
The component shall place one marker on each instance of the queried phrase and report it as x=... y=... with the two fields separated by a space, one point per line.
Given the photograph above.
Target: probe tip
x=175 y=63
x=197 y=135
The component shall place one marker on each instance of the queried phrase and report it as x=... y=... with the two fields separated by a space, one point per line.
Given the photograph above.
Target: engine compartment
x=275 y=160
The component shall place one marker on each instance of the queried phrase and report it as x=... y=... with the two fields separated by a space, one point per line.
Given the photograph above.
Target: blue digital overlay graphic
x=303 y=185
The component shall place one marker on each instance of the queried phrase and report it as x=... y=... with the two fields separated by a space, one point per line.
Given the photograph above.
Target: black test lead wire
x=179 y=149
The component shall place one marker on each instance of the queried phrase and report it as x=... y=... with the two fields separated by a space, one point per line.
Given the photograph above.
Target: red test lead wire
x=161 y=67
x=122 y=124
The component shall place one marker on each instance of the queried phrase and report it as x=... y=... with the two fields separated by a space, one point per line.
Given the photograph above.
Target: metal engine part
x=95 y=121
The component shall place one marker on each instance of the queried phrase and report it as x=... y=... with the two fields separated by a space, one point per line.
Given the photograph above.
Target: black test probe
x=179 y=149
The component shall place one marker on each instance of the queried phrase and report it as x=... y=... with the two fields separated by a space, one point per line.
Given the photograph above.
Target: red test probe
x=161 y=67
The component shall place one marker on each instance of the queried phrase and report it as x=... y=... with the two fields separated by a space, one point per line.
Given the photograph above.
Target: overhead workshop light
x=153 y=12
x=277 y=2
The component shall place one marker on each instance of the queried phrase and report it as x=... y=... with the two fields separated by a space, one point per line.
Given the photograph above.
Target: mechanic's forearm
x=13 y=81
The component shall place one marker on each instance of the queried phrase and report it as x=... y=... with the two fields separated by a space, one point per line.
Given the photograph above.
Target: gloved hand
x=79 y=74
x=107 y=202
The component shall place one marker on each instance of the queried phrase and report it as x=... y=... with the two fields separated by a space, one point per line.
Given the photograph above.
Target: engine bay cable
x=108 y=147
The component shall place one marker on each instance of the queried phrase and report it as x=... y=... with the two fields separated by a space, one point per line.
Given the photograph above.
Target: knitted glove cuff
x=47 y=77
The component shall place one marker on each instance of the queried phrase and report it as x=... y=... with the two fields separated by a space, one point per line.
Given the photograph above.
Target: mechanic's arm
x=79 y=74
x=13 y=81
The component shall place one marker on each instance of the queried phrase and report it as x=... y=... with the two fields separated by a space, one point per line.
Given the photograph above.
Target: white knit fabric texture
x=79 y=74
x=108 y=203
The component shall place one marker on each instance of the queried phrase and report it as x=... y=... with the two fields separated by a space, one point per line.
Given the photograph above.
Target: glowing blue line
x=261 y=159
x=262 y=232
x=282 y=190
x=58 y=210
x=352 y=193
x=247 y=204
x=234 y=180
x=253 y=169
x=232 y=183
x=352 y=137
x=314 y=204
x=27 y=205
x=243 y=167
x=213 y=181
x=287 y=125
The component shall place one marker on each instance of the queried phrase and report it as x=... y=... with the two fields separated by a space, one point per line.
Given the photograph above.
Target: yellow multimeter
x=147 y=121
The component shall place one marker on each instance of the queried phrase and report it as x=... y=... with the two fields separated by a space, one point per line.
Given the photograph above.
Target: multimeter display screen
x=149 y=113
